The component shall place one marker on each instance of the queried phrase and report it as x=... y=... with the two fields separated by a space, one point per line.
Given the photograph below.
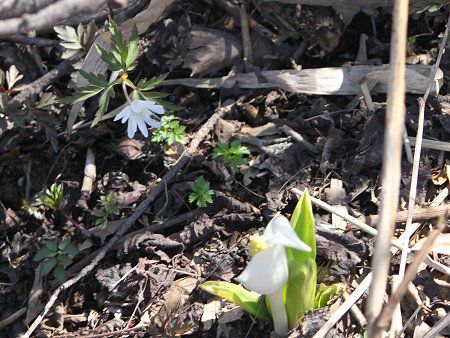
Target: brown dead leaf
x=209 y=50
x=266 y=130
x=110 y=229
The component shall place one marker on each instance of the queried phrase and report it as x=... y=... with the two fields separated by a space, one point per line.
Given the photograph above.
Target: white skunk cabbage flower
x=139 y=113
x=267 y=272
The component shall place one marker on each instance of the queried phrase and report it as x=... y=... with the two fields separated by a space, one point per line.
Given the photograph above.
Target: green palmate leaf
x=154 y=95
x=81 y=94
x=51 y=245
x=97 y=80
x=327 y=293
x=103 y=105
x=200 y=192
x=42 y=253
x=132 y=50
x=63 y=244
x=152 y=83
x=302 y=221
x=111 y=59
x=249 y=301
x=12 y=76
x=47 y=99
x=63 y=260
x=59 y=273
x=48 y=265
x=118 y=45
x=300 y=289
x=71 y=249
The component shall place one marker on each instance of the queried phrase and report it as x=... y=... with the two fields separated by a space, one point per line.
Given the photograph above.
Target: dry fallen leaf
x=210 y=50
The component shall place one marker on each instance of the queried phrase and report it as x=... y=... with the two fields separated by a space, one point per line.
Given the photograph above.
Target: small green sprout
x=232 y=154
x=56 y=257
x=171 y=131
x=52 y=197
x=201 y=193
x=108 y=207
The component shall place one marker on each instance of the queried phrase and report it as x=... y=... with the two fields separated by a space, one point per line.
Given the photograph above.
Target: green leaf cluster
x=124 y=53
x=108 y=207
x=76 y=42
x=56 y=256
x=233 y=154
x=123 y=59
x=170 y=131
x=201 y=192
x=51 y=197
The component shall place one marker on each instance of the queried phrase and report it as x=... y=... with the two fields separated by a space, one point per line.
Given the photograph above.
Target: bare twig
x=48 y=16
x=297 y=137
x=434 y=331
x=417 y=149
x=12 y=318
x=235 y=12
x=384 y=318
x=419 y=214
x=246 y=40
x=157 y=190
x=395 y=116
x=28 y=40
x=14 y=8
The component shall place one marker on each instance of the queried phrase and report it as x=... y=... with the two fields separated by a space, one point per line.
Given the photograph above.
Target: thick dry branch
x=419 y=214
x=15 y=8
x=319 y=81
x=157 y=190
x=48 y=16
x=37 y=87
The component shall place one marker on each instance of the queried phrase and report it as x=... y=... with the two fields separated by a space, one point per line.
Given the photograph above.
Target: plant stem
x=71 y=220
x=124 y=88
x=278 y=309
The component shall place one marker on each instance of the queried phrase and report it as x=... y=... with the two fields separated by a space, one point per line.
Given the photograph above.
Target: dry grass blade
x=395 y=116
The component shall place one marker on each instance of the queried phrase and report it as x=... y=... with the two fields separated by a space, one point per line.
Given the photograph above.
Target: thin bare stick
x=356 y=312
x=384 y=318
x=246 y=40
x=434 y=331
x=154 y=193
x=432 y=144
x=417 y=150
x=395 y=117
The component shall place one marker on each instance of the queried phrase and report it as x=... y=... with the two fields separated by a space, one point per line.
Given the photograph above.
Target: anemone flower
x=267 y=272
x=139 y=113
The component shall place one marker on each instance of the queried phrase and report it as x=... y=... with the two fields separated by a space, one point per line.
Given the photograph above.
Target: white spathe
x=139 y=113
x=268 y=272
x=268 y=269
